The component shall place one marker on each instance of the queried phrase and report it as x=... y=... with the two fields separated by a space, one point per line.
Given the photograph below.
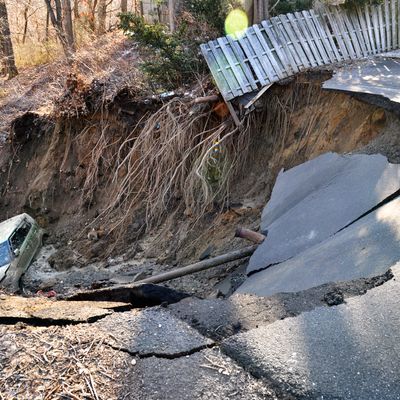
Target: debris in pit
x=334 y=298
x=138 y=295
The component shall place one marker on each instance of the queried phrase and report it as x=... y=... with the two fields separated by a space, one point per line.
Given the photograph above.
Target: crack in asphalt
x=385 y=201
x=163 y=356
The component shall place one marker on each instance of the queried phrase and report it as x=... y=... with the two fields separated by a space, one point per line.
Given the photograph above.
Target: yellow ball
x=236 y=22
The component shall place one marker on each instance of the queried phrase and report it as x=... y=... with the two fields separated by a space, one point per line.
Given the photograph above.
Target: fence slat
x=310 y=40
x=217 y=73
x=329 y=35
x=398 y=23
x=226 y=71
x=239 y=53
x=364 y=31
x=357 y=31
x=381 y=28
x=388 y=28
x=274 y=39
x=345 y=34
x=301 y=40
x=295 y=41
x=337 y=34
x=233 y=64
x=259 y=42
x=316 y=36
x=394 y=23
x=288 y=48
x=287 y=44
x=264 y=78
x=375 y=24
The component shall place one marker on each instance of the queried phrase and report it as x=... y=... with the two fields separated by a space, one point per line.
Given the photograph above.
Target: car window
x=5 y=256
x=19 y=236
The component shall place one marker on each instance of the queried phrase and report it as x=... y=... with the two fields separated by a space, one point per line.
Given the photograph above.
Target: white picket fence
x=287 y=44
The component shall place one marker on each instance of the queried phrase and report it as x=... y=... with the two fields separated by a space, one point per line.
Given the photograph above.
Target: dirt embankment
x=63 y=170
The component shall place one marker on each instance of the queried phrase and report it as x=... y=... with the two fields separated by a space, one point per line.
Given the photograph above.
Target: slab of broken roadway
x=335 y=218
x=365 y=249
x=315 y=200
x=50 y=311
x=378 y=77
x=351 y=351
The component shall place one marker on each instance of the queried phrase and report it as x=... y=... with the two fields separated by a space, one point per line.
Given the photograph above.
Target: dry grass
x=58 y=363
x=33 y=54
x=111 y=58
x=180 y=154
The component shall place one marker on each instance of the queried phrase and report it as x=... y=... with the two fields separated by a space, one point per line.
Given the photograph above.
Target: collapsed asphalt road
x=351 y=351
x=320 y=323
x=244 y=347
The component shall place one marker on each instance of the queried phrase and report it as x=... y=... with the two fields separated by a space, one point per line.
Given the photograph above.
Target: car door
x=35 y=238
x=21 y=241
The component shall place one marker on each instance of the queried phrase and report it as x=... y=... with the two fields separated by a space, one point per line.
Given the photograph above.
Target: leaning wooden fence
x=287 y=44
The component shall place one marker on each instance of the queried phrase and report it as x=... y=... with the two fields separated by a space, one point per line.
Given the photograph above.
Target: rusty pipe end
x=250 y=235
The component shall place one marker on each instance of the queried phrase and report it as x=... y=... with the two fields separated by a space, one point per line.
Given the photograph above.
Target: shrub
x=288 y=6
x=352 y=4
x=172 y=58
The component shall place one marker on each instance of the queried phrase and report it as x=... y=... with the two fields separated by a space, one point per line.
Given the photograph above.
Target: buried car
x=20 y=239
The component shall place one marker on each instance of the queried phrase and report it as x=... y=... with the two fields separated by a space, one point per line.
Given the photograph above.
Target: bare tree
x=76 y=10
x=91 y=14
x=171 y=12
x=26 y=20
x=124 y=6
x=67 y=25
x=61 y=23
x=101 y=16
x=6 y=48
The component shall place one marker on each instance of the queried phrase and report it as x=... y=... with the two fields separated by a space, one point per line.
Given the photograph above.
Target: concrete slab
x=367 y=248
x=378 y=77
x=351 y=351
x=313 y=201
x=153 y=331
x=204 y=375
x=49 y=311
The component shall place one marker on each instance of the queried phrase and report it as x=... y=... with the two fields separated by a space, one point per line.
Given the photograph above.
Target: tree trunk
x=249 y=8
x=47 y=26
x=56 y=18
x=260 y=10
x=76 y=10
x=68 y=26
x=171 y=12
x=101 y=17
x=26 y=9
x=124 y=6
x=6 y=47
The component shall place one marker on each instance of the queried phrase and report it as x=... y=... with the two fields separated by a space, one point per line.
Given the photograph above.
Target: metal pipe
x=200 y=266
x=248 y=234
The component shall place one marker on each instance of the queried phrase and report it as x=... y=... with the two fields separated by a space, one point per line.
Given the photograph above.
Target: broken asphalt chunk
x=44 y=311
x=365 y=249
x=315 y=200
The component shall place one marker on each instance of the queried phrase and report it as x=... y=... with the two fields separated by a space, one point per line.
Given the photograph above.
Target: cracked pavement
x=322 y=324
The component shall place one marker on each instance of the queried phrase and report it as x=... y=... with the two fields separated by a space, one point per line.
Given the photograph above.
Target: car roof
x=8 y=226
